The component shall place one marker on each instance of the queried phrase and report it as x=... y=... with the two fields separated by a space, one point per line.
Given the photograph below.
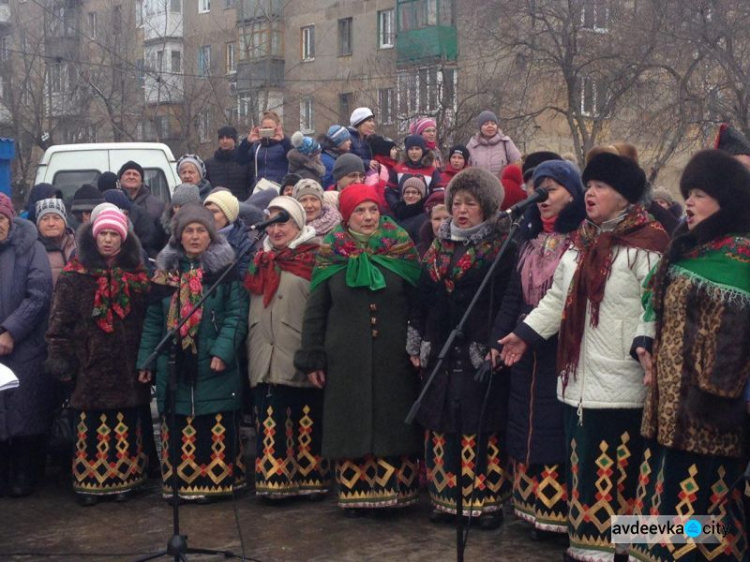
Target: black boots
x=26 y=463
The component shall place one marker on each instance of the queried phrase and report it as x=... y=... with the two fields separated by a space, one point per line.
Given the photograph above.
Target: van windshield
x=70 y=181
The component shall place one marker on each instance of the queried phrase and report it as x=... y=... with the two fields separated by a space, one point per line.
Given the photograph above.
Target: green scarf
x=389 y=247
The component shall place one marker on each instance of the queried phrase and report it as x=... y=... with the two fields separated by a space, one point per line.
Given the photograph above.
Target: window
x=204 y=126
x=56 y=77
x=229 y=4
x=204 y=61
x=229 y=59
x=595 y=15
x=308 y=43
x=345 y=104
x=139 y=13
x=140 y=72
x=256 y=43
x=244 y=105
x=425 y=90
x=345 y=37
x=159 y=61
x=306 y=116
x=4 y=47
x=175 y=6
x=176 y=62
x=386 y=107
x=385 y=29
x=415 y=14
x=594 y=97
x=117 y=20
x=162 y=126
x=204 y=6
x=92 y=25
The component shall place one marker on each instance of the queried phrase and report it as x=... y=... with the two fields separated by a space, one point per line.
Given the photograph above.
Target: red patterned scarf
x=189 y=285
x=264 y=274
x=595 y=248
x=114 y=288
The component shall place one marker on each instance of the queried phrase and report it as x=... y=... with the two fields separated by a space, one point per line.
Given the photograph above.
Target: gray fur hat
x=482 y=184
x=193 y=213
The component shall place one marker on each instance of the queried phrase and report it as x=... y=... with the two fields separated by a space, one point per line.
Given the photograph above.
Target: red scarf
x=114 y=286
x=595 y=249
x=264 y=274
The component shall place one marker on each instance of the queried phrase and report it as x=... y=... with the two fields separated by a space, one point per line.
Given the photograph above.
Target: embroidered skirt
x=485 y=483
x=288 y=461
x=540 y=496
x=673 y=482
x=108 y=457
x=373 y=482
x=209 y=452
x=605 y=454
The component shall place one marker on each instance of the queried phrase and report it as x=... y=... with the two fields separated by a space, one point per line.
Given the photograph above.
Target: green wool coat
x=358 y=337
x=222 y=330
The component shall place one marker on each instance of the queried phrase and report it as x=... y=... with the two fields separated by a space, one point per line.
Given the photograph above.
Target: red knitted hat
x=353 y=195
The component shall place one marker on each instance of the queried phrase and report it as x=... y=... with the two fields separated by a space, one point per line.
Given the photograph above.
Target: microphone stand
x=177 y=546
x=515 y=218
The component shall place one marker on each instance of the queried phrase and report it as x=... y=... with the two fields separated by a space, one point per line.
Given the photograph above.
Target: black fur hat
x=731 y=141
x=481 y=184
x=619 y=172
x=725 y=179
x=534 y=159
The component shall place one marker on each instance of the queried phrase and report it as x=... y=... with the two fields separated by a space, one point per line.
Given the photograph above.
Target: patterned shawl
x=189 y=285
x=389 y=247
x=264 y=274
x=114 y=286
x=482 y=247
x=596 y=251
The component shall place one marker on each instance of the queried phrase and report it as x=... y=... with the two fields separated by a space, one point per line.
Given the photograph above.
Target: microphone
x=283 y=216
x=520 y=207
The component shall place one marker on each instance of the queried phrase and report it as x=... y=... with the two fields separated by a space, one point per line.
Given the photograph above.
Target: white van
x=69 y=166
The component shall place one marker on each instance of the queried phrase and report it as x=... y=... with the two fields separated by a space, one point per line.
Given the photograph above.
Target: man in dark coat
x=146 y=209
x=25 y=294
x=223 y=170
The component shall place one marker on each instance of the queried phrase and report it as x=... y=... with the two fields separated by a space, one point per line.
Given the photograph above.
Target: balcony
x=4 y=13
x=437 y=42
x=261 y=73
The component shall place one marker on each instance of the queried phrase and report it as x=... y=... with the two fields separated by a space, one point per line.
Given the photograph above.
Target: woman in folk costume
x=454 y=267
x=93 y=336
x=289 y=408
x=595 y=305
x=536 y=437
x=208 y=395
x=694 y=417
x=353 y=346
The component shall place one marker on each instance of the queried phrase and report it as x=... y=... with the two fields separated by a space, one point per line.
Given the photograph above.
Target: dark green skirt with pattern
x=605 y=448
x=209 y=454
x=290 y=435
x=673 y=482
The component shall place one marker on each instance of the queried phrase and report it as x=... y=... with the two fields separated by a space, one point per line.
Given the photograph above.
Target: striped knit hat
x=111 y=219
x=51 y=206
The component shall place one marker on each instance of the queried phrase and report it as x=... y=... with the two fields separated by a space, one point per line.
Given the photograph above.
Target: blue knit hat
x=414 y=140
x=118 y=198
x=306 y=145
x=338 y=135
x=563 y=172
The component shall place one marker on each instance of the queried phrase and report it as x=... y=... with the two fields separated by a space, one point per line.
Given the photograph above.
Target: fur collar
x=89 y=256
x=22 y=235
x=218 y=256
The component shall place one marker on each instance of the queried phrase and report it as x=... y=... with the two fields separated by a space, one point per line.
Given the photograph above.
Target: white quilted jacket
x=607 y=376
